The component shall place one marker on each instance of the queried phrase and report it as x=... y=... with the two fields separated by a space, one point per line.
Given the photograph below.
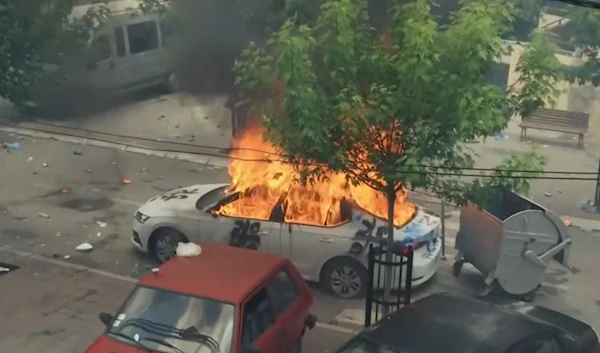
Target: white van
x=128 y=53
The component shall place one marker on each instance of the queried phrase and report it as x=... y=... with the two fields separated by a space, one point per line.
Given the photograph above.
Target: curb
x=219 y=162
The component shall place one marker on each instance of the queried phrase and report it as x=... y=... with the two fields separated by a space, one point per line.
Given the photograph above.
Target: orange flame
x=264 y=185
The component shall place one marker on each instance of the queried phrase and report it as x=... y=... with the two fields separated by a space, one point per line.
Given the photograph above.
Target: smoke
x=209 y=36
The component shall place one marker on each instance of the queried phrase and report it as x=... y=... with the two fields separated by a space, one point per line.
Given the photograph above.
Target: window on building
x=142 y=37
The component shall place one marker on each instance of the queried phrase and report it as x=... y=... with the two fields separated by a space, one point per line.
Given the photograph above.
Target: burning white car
x=328 y=254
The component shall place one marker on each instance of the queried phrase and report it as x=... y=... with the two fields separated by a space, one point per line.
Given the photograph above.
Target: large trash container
x=511 y=242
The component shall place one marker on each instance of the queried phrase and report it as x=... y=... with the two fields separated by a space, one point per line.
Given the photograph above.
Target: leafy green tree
x=513 y=174
x=586 y=39
x=41 y=43
x=391 y=110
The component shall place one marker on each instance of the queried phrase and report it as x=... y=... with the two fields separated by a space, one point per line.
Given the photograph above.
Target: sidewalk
x=48 y=307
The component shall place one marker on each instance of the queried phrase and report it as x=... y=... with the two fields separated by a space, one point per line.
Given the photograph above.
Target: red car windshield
x=165 y=321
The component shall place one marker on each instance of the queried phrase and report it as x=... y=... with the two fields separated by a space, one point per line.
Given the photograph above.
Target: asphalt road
x=53 y=199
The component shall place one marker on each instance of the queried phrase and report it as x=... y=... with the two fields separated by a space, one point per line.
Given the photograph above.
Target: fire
x=263 y=185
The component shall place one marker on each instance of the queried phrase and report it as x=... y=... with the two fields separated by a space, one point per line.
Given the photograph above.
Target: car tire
x=345 y=278
x=297 y=347
x=164 y=243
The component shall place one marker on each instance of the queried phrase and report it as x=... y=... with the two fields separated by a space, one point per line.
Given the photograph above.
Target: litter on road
x=84 y=247
x=101 y=224
x=126 y=181
x=43 y=215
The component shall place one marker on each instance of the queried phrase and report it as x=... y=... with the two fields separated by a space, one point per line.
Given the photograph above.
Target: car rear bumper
x=425 y=264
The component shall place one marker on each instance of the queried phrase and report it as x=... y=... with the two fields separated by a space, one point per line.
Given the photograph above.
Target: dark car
x=444 y=323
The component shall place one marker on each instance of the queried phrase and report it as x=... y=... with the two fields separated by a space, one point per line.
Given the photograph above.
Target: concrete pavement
x=49 y=307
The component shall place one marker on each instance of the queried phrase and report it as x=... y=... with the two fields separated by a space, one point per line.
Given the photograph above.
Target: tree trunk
x=389 y=256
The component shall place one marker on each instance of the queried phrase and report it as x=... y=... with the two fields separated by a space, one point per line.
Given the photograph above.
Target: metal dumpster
x=511 y=243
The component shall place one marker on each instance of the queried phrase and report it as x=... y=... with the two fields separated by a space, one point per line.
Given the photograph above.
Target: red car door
x=258 y=324
x=291 y=301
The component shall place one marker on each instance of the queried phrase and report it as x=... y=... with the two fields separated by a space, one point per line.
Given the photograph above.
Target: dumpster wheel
x=529 y=296
x=457 y=268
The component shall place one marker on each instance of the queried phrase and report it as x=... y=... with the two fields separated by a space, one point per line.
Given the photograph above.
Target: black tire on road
x=345 y=278
x=164 y=243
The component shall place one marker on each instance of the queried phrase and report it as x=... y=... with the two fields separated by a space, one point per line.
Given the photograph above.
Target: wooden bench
x=557 y=120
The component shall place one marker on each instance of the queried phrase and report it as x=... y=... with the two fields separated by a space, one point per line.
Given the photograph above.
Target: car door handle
x=326 y=240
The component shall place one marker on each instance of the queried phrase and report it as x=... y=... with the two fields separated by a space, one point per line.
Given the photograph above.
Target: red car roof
x=220 y=272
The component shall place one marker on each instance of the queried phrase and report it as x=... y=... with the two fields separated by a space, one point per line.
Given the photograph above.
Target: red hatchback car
x=225 y=300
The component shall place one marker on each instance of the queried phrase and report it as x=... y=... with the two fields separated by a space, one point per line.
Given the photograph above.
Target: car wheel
x=345 y=278
x=164 y=244
x=297 y=347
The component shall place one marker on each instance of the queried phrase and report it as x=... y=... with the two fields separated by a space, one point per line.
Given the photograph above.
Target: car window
x=142 y=37
x=165 y=32
x=120 y=42
x=282 y=292
x=258 y=317
x=101 y=48
x=539 y=345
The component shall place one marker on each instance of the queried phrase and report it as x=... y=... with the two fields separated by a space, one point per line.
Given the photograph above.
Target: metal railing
x=401 y=267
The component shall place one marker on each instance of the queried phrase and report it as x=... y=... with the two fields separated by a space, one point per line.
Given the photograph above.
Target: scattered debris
x=546 y=146
x=58 y=234
x=114 y=163
x=144 y=170
x=585 y=228
x=43 y=215
x=67 y=257
x=4 y=269
x=77 y=153
x=11 y=145
x=559 y=191
x=88 y=170
x=136 y=270
x=589 y=207
x=22 y=219
x=65 y=190
x=127 y=181
x=547 y=194
x=29 y=159
x=567 y=222
x=101 y=224
x=177 y=126
x=188 y=249
x=98 y=234
x=84 y=247
x=45 y=165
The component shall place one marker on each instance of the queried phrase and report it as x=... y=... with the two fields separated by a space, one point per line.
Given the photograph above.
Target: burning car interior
x=283 y=210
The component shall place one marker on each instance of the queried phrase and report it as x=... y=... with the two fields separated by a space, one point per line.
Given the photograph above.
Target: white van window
x=101 y=48
x=120 y=42
x=165 y=32
x=142 y=37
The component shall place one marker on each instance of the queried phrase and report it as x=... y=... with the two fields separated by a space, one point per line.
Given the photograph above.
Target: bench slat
x=579 y=124
x=567 y=129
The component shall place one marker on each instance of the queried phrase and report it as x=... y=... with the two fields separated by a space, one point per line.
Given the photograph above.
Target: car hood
x=182 y=199
x=103 y=344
